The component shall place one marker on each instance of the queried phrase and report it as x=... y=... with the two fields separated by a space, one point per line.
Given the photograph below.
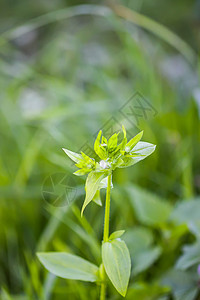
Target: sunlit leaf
x=100 y=151
x=116 y=234
x=117 y=263
x=68 y=266
x=134 y=140
x=138 y=153
x=73 y=155
x=92 y=185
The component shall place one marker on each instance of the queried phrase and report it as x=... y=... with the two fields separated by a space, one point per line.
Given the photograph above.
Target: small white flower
x=127 y=149
x=103 y=164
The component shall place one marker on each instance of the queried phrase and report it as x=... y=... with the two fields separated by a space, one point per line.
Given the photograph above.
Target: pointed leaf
x=66 y=265
x=139 y=152
x=116 y=234
x=112 y=142
x=134 y=140
x=73 y=155
x=92 y=184
x=117 y=263
x=100 y=151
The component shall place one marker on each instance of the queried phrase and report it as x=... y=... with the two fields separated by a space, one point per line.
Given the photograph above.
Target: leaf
x=97 y=198
x=143 y=291
x=117 y=263
x=102 y=185
x=124 y=141
x=139 y=241
x=186 y=212
x=92 y=184
x=116 y=234
x=190 y=257
x=112 y=142
x=73 y=155
x=183 y=284
x=100 y=151
x=149 y=208
x=144 y=259
x=138 y=153
x=134 y=140
x=69 y=266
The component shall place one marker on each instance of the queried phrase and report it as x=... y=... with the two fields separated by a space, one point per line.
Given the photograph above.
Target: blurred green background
x=67 y=70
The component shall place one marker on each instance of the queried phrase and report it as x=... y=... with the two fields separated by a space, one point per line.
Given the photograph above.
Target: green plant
x=116 y=262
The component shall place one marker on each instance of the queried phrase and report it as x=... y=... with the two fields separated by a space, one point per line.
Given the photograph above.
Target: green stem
x=106 y=234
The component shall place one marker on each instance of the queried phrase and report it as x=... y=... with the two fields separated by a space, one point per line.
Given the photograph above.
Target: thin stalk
x=106 y=234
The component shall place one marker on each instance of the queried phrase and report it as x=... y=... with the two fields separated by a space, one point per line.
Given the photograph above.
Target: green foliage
x=115 y=255
x=144 y=291
x=60 y=82
x=190 y=257
x=112 y=156
x=149 y=208
x=183 y=284
x=139 y=241
x=117 y=263
x=69 y=266
x=92 y=185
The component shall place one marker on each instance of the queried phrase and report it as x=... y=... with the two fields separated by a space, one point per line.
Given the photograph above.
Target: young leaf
x=66 y=265
x=102 y=185
x=139 y=152
x=92 y=185
x=112 y=142
x=73 y=155
x=117 y=263
x=100 y=151
x=116 y=234
x=134 y=140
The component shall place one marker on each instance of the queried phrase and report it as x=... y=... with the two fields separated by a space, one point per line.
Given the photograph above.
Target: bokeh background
x=68 y=69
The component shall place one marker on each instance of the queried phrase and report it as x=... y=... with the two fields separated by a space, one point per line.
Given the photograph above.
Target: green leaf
x=73 y=155
x=92 y=185
x=143 y=291
x=112 y=142
x=143 y=260
x=124 y=141
x=134 y=140
x=116 y=234
x=139 y=241
x=97 y=198
x=149 y=208
x=100 y=151
x=138 y=153
x=81 y=172
x=102 y=185
x=117 y=263
x=69 y=266
x=183 y=284
x=190 y=257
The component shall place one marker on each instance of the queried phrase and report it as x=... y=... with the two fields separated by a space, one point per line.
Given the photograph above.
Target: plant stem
x=107 y=211
x=106 y=234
